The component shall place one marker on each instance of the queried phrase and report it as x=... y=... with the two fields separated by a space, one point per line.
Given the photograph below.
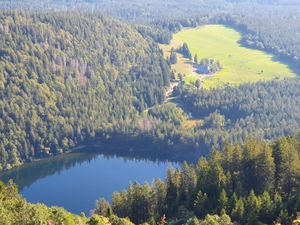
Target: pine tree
x=185 y=51
x=278 y=204
x=173 y=189
x=201 y=205
x=173 y=57
x=193 y=221
x=188 y=183
x=103 y=208
x=198 y=84
x=266 y=208
x=223 y=201
x=159 y=192
x=238 y=211
x=287 y=166
x=265 y=170
x=196 y=60
x=283 y=217
x=252 y=208
x=233 y=202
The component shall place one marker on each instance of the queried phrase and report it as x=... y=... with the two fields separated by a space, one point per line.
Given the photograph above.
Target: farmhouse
x=203 y=69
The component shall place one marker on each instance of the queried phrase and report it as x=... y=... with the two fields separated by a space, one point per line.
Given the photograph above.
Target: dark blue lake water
x=76 y=180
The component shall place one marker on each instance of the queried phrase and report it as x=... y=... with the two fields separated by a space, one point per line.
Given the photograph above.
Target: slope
x=66 y=77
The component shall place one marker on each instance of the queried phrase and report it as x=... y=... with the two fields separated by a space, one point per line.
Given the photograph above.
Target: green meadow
x=240 y=64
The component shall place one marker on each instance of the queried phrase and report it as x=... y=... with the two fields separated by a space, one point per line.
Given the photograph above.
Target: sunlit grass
x=240 y=64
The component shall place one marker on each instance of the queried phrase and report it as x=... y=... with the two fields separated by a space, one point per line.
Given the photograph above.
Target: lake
x=76 y=180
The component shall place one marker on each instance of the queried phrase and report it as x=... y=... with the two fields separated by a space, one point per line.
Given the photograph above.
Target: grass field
x=240 y=64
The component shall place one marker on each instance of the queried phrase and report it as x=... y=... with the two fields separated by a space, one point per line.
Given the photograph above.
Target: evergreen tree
x=252 y=208
x=197 y=83
x=173 y=57
x=196 y=60
x=185 y=51
x=223 y=201
x=265 y=168
x=238 y=211
x=103 y=208
x=201 y=205
x=287 y=170
x=188 y=184
x=173 y=189
x=266 y=211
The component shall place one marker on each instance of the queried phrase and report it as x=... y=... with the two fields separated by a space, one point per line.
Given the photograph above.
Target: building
x=203 y=69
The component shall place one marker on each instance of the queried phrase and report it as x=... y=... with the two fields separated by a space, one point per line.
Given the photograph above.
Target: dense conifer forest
x=58 y=61
x=75 y=72
x=254 y=183
x=264 y=110
x=66 y=77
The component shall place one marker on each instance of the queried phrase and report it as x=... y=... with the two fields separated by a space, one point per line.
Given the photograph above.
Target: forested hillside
x=202 y=119
x=256 y=183
x=72 y=75
x=67 y=76
x=264 y=110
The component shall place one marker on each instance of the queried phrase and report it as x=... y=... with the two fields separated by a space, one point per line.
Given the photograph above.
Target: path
x=168 y=94
x=170 y=90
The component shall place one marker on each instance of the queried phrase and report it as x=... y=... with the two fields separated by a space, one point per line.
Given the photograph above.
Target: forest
x=200 y=119
x=79 y=71
x=280 y=37
x=264 y=110
x=60 y=84
x=254 y=183
x=53 y=60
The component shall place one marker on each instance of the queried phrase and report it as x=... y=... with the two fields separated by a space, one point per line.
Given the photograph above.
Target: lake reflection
x=76 y=180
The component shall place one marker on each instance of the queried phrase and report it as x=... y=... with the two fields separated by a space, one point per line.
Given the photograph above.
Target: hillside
x=254 y=183
x=69 y=76
x=208 y=85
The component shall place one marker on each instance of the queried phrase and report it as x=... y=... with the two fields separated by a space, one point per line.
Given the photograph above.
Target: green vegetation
x=185 y=51
x=14 y=209
x=204 y=118
x=207 y=66
x=182 y=65
x=63 y=85
x=68 y=77
x=240 y=64
x=256 y=183
x=173 y=57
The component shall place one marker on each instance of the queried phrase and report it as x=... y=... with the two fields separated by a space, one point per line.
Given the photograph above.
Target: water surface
x=76 y=180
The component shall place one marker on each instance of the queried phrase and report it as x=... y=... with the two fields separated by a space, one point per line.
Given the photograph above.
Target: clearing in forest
x=239 y=64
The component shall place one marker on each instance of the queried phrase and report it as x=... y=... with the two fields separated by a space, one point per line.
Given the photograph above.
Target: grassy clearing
x=240 y=64
x=183 y=65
